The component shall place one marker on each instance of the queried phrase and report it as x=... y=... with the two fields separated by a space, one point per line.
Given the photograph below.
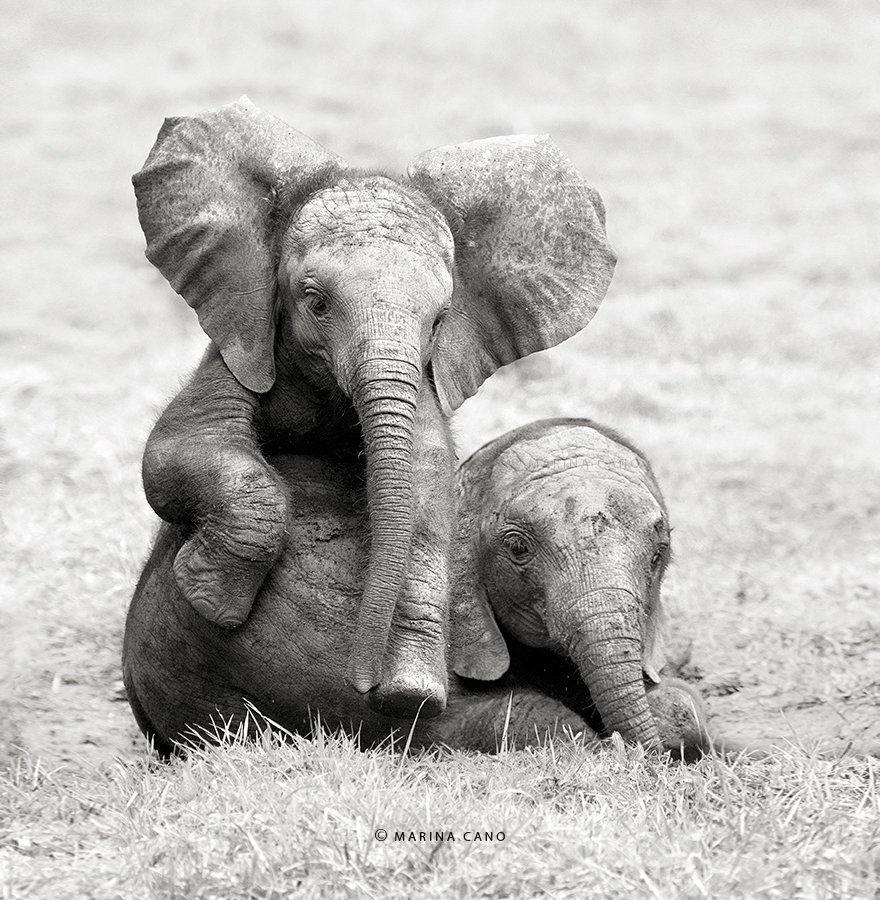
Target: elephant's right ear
x=477 y=648
x=209 y=197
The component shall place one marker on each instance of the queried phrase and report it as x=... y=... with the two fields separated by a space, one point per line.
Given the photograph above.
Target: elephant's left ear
x=532 y=262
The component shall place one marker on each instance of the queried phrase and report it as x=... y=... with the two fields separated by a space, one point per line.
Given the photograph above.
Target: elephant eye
x=659 y=556
x=518 y=547
x=318 y=303
x=437 y=323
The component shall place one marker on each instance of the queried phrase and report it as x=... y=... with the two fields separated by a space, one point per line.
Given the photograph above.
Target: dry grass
x=279 y=821
x=736 y=147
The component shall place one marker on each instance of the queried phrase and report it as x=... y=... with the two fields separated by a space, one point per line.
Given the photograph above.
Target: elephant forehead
x=372 y=211
x=575 y=477
x=581 y=499
x=559 y=450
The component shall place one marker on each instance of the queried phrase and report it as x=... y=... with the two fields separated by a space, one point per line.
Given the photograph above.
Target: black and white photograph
x=440 y=449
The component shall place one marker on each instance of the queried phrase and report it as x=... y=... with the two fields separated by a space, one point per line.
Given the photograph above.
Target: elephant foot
x=681 y=718
x=218 y=585
x=414 y=676
x=411 y=692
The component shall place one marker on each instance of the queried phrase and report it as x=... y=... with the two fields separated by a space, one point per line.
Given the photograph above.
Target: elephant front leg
x=223 y=563
x=506 y=717
x=203 y=469
x=414 y=669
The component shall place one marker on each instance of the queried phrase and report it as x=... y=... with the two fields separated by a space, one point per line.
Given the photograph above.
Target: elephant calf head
x=567 y=539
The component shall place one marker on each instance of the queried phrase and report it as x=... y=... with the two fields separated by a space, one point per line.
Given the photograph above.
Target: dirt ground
x=737 y=148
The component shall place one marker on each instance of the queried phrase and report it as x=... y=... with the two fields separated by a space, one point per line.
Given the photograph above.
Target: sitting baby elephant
x=347 y=308
x=555 y=624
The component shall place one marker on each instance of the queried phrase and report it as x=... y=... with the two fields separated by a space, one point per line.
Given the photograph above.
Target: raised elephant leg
x=203 y=469
x=414 y=667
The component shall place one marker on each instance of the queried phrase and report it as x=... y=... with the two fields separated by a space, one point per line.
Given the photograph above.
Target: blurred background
x=737 y=148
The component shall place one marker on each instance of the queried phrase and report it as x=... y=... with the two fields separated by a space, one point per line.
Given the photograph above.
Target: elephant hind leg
x=163 y=748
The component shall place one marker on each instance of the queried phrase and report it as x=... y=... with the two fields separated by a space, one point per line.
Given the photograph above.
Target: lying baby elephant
x=555 y=621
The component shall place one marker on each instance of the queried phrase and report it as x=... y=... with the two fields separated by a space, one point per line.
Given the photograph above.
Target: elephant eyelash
x=438 y=322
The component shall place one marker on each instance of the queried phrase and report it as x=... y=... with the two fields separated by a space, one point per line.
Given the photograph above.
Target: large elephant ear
x=209 y=199
x=532 y=259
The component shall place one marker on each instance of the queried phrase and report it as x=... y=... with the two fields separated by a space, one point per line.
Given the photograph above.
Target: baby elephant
x=555 y=621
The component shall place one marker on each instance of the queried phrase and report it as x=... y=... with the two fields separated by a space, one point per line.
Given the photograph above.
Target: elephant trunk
x=606 y=645
x=384 y=393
